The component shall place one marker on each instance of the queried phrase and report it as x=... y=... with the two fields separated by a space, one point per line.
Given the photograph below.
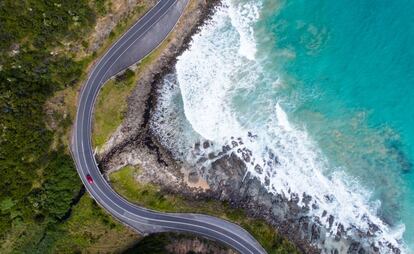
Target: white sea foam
x=243 y=16
x=173 y=130
x=206 y=79
x=220 y=61
x=282 y=119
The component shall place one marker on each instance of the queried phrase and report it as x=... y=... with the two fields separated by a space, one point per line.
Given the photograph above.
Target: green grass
x=92 y=230
x=88 y=230
x=151 y=196
x=111 y=106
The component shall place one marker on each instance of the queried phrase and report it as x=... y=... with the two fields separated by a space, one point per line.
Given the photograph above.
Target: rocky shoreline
x=134 y=144
x=134 y=132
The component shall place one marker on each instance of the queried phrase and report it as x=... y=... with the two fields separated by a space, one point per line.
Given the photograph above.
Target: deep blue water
x=347 y=74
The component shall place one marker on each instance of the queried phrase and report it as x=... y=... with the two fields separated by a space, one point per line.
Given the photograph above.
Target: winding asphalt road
x=133 y=46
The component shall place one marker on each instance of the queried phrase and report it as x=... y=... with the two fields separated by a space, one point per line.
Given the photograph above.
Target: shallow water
x=326 y=86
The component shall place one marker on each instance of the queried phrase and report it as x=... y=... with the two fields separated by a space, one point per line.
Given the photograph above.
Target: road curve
x=134 y=45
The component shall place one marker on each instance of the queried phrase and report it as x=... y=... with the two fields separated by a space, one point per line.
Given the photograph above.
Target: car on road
x=89 y=178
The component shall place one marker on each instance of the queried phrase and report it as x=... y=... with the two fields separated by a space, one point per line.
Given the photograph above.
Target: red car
x=89 y=178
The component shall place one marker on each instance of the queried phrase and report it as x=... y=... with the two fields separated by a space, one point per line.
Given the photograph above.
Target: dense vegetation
x=37 y=183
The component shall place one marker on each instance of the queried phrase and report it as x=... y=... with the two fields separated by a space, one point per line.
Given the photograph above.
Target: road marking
x=172 y=222
x=82 y=156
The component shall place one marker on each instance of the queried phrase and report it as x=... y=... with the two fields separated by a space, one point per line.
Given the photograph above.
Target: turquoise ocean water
x=348 y=68
x=326 y=86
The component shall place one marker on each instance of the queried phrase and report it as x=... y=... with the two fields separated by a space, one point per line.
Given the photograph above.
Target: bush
x=37 y=183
